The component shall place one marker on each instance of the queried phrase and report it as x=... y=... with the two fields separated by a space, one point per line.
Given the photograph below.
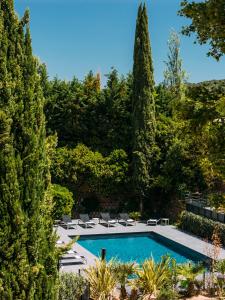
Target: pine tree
x=143 y=108
x=27 y=244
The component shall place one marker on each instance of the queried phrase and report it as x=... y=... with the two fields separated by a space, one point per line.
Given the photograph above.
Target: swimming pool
x=138 y=247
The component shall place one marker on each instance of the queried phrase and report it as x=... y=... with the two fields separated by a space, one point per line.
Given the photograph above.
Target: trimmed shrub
x=71 y=286
x=62 y=200
x=200 y=226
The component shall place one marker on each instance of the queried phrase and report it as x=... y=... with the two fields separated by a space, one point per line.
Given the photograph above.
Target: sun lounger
x=153 y=221
x=85 y=220
x=72 y=258
x=67 y=222
x=105 y=219
x=125 y=219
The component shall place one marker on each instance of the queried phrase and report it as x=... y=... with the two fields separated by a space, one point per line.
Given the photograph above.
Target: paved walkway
x=169 y=232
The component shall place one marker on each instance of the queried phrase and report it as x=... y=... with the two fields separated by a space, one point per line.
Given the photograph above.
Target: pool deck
x=168 y=231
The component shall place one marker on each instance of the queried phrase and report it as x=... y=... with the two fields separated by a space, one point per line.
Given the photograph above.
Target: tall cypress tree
x=143 y=108
x=27 y=244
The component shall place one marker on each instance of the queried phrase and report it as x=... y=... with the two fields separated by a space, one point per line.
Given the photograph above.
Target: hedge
x=201 y=226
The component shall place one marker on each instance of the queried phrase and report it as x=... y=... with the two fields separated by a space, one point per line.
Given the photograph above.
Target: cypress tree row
x=143 y=109
x=28 y=261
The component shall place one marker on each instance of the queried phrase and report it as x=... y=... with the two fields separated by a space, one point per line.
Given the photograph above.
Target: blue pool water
x=137 y=247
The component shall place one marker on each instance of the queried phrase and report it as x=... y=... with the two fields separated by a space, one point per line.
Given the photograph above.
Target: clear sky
x=75 y=36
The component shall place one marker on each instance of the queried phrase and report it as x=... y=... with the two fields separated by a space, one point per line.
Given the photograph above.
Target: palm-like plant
x=122 y=272
x=152 y=276
x=102 y=280
x=189 y=272
x=220 y=267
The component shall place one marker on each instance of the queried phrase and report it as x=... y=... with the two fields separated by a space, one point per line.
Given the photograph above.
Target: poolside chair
x=125 y=219
x=71 y=258
x=105 y=219
x=153 y=221
x=85 y=220
x=67 y=222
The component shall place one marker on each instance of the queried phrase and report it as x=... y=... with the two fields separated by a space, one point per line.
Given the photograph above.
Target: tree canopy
x=208 y=22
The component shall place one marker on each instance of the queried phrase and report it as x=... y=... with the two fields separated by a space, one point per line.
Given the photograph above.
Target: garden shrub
x=201 y=226
x=71 y=286
x=135 y=215
x=168 y=293
x=62 y=201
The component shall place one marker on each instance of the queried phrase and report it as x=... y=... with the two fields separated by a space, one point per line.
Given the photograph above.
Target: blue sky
x=75 y=36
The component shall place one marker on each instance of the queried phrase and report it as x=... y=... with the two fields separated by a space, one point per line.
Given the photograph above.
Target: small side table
x=165 y=221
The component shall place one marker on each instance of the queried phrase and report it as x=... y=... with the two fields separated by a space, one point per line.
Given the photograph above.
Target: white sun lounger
x=67 y=222
x=105 y=219
x=124 y=218
x=153 y=221
x=72 y=258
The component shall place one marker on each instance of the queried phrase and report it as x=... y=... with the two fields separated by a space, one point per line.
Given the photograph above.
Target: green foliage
x=62 y=201
x=28 y=260
x=153 y=276
x=174 y=75
x=168 y=293
x=220 y=266
x=82 y=113
x=217 y=201
x=189 y=272
x=81 y=166
x=144 y=147
x=212 y=30
x=71 y=286
x=123 y=271
x=101 y=279
x=135 y=215
x=201 y=226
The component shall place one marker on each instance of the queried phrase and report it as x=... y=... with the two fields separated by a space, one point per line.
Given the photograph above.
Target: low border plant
x=71 y=286
x=201 y=226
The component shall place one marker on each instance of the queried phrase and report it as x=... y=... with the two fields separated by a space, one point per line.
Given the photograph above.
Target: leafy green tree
x=144 y=124
x=207 y=21
x=203 y=115
x=118 y=108
x=174 y=75
x=62 y=201
x=82 y=169
x=82 y=112
x=28 y=261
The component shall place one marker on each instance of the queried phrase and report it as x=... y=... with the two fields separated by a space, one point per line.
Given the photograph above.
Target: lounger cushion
x=90 y=222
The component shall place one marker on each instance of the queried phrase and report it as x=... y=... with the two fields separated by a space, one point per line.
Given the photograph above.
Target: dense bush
x=62 y=200
x=200 y=226
x=71 y=286
x=81 y=166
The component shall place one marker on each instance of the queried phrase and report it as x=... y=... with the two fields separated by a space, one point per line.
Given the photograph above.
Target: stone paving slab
x=169 y=232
